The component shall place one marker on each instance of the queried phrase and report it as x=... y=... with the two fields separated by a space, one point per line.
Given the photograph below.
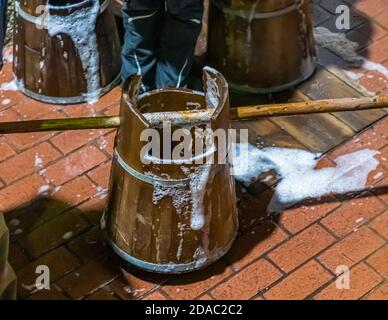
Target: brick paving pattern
x=53 y=190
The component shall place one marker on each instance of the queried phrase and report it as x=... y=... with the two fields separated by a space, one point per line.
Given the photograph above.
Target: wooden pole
x=309 y=107
x=59 y=124
x=186 y=117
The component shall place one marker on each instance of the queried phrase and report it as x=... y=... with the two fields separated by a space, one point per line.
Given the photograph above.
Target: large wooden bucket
x=169 y=217
x=262 y=46
x=66 y=52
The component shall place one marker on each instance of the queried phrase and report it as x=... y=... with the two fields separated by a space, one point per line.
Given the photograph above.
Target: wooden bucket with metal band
x=66 y=51
x=169 y=216
x=262 y=46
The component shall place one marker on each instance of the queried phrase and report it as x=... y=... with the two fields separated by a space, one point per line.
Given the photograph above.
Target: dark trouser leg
x=180 y=32
x=142 y=19
x=3 y=26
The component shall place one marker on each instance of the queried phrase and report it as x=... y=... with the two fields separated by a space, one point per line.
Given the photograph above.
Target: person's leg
x=181 y=28
x=141 y=19
x=3 y=27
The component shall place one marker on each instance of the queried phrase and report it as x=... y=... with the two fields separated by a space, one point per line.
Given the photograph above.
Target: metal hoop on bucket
x=66 y=100
x=256 y=15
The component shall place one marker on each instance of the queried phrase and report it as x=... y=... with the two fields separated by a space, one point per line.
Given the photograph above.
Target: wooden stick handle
x=186 y=117
x=309 y=107
x=59 y=124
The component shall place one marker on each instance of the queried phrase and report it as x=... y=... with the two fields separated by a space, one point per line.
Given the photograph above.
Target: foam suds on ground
x=5 y=102
x=10 y=86
x=347 y=50
x=299 y=178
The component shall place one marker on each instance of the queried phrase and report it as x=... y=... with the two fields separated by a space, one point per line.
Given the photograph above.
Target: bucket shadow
x=40 y=219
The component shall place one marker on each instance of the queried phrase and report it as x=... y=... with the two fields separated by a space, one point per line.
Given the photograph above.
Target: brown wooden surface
x=7 y=275
x=155 y=231
x=261 y=54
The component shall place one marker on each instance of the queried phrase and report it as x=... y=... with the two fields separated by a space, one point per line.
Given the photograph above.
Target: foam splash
x=38 y=161
x=347 y=50
x=299 y=178
x=212 y=95
x=101 y=192
x=198 y=181
x=178 y=193
x=182 y=197
x=338 y=44
x=10 y=86
x=8 y=57
x=6 y=102
x=80 y=27
x=43 y=190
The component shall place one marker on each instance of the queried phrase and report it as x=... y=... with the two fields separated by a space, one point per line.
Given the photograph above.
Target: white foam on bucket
x=299 y=178
x=197 y=182
x=182 y=197
x=80 y=26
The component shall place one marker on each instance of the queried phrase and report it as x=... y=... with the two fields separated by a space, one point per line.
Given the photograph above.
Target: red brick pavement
x=293 y=256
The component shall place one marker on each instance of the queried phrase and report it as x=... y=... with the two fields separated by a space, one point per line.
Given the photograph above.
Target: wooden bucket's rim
x=131 y=96
x=130 y=109
x=41 y=21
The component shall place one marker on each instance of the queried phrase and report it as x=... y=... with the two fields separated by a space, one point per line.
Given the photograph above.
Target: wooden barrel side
x=262 y=54
x=170 y=217
x=50 y=67
x=156 y=233
x=7 y=275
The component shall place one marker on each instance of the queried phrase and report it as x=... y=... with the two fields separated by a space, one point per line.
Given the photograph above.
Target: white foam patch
x=338 y=44
x=299 y=178
x=8 y=57
x=178 y=193
x=212 y=94
x=6 y=102
x=373 y=66
x=347 y=50
x=38 y=161
x=183 y=196
x=101 y=192
x=43 y=190
x=67 y=235
x=80 y=27
x=10 y=86
x=198 y=181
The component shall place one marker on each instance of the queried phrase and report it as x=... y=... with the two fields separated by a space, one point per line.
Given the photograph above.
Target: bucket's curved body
x=169 y=218
x=262 y=46
x=67 y=51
